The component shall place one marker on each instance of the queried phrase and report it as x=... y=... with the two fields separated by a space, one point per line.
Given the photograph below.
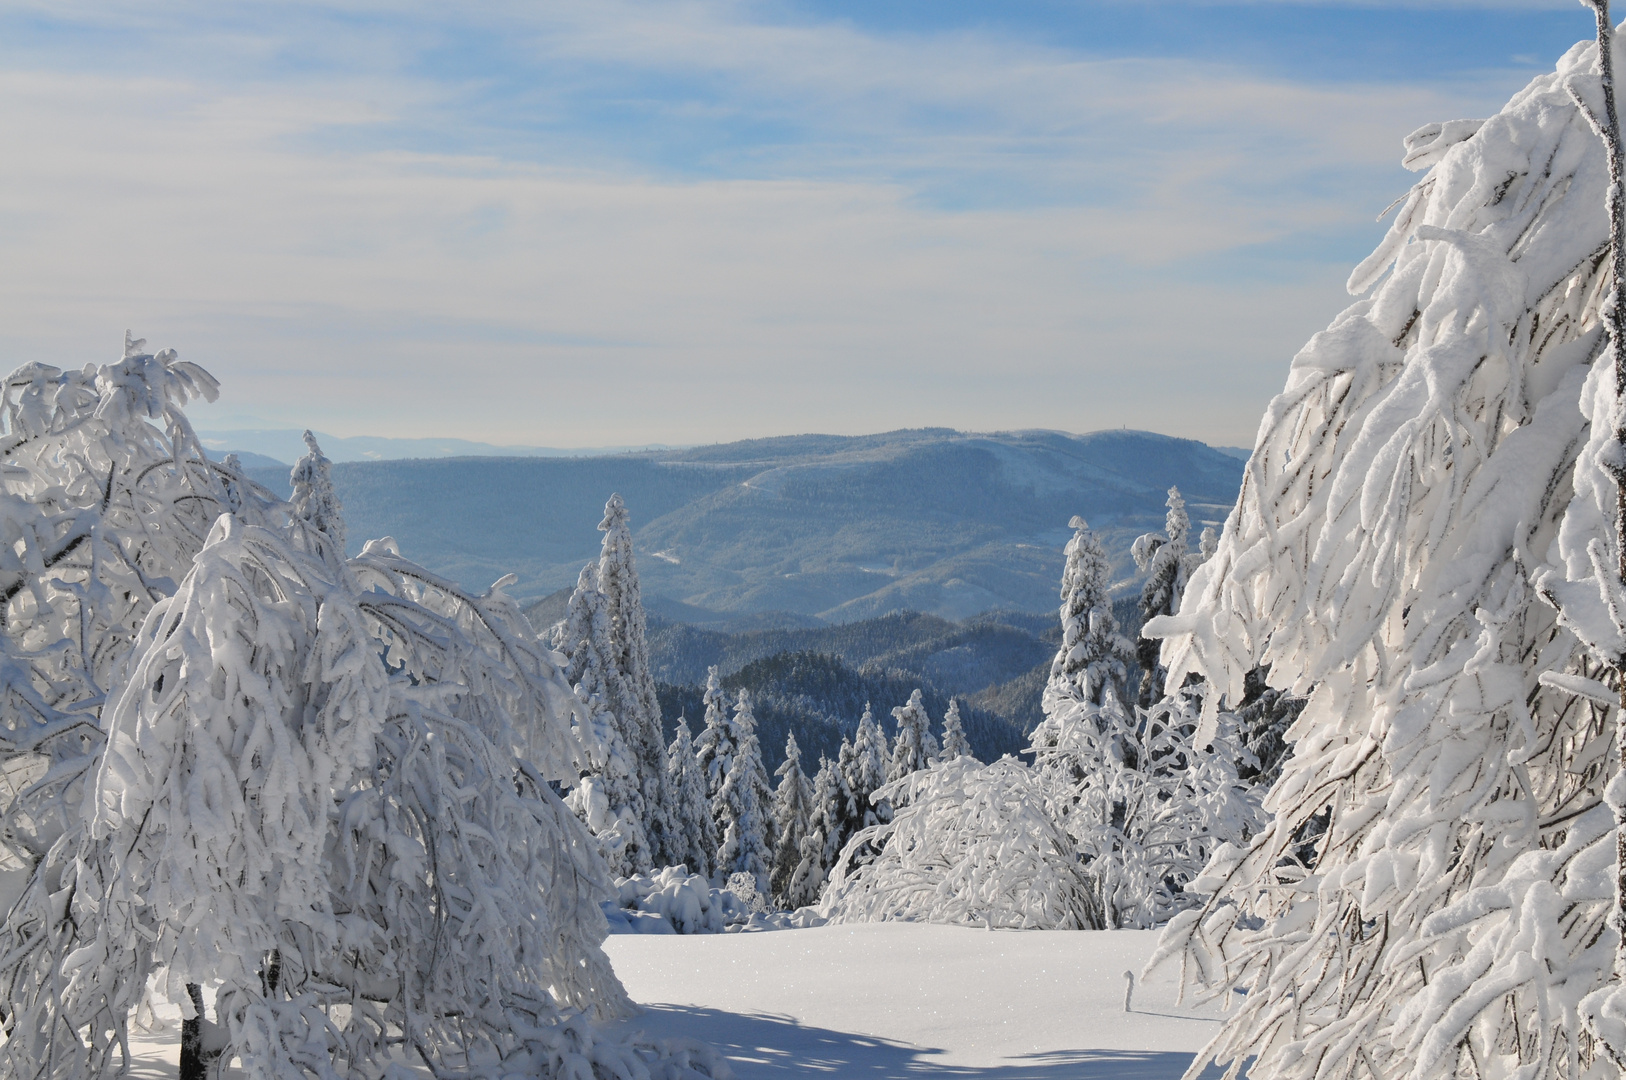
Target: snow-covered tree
x=1434 y=895
x=1162 y=557
x=315 y=773
x=609 y=796
x=715 y=747
x=694 y=831
x=971 y=844
x=639 y=708
x=313 y=496
x=792 y=816
x=955 y=744
x=107 y=497
x=864 y=769
x=916 y=747
x=743 y=807
x=825 y=836
x=1094 y=657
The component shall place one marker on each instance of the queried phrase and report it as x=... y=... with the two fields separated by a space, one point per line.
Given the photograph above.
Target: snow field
x=882 y=1000
x=911 y=999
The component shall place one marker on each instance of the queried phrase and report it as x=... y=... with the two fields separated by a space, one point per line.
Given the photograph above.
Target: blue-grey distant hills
x=796 y=530
x=273 y=446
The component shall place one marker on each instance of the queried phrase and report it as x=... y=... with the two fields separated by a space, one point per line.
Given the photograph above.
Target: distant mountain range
x=268 y=447
x=796 y=531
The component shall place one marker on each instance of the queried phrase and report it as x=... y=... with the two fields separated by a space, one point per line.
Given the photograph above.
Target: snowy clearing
x=881 y=1000
x=909 y=1000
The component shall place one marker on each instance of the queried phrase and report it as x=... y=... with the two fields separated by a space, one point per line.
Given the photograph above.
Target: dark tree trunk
x=192 y=1059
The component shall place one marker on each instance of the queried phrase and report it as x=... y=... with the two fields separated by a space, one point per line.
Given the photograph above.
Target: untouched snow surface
x=881 y=1000
x=875 y=1001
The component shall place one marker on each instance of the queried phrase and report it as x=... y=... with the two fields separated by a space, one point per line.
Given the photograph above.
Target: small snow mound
x=674 y=901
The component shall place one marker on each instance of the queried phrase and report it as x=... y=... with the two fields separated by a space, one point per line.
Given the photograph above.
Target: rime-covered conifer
x=1442 y=850
x=865 y=772
x=1162 y=557
x=955 y=744
x=314 y=498
x=823 y=842
x=608 y=797
x=714 y=749
x=618 y=580
x=743 y=807
x=916 y=747
x=792 y=814
x=1094 y=657
x=695 y=830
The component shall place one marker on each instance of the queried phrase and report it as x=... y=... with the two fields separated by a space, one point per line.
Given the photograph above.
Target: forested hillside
x=824 y=528
x=821 y=697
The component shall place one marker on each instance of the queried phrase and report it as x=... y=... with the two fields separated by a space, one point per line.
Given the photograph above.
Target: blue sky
x=611 y=223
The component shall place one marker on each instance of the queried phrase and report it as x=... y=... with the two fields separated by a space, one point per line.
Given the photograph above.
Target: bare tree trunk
x=193 y=1062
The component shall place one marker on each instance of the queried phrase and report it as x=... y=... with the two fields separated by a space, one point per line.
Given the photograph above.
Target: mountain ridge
x=817 y=527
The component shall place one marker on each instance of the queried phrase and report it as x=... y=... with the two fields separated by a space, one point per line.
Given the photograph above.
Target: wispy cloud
x=624 y=222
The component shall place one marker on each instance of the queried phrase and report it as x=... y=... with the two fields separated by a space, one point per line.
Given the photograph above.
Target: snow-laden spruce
x=609 y=796
x=1094 y=656
x=955 y=743
x=863 y=766
x=1166 y=562
x=694 y=836
x=792 y=816
x=107 y=498
x=743 y=807
x=825 y=835
x=636 y=702
x=314 y=499
x=971 y=844
x=915 y=747
x=714 y=748
x=1433 y=894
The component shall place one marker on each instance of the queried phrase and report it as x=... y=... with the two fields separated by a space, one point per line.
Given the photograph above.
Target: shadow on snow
x=765 y=1046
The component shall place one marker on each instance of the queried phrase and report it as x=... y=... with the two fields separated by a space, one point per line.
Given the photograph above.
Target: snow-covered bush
x=1143 y=805
x=674 y=901
x=973 y=844
x=1433 y=896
